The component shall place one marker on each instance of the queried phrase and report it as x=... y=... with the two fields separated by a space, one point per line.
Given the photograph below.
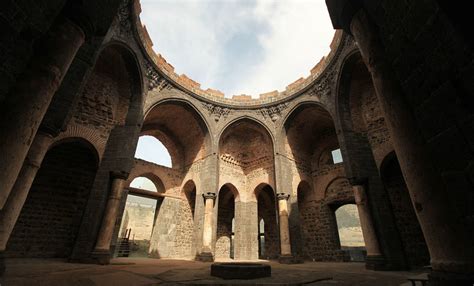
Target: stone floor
x=143 y=271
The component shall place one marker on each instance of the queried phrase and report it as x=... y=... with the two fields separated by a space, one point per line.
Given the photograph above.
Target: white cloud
x=201 y=39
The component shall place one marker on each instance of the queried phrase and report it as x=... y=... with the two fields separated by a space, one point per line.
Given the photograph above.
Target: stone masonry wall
x=173 y=230
x=318 y=220
x=413 y=241
x=224 y=228
x=50 y=219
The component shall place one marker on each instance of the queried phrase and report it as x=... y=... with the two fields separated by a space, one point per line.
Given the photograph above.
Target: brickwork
x=50 y=219
x=106 y=96
x=366 y=112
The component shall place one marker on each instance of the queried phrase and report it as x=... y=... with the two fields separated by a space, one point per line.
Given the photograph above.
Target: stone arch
x=249 y=119
x=308 y=131
x=61 y=188
x=111 y=103
x=350 y=236
x=116 y=86
x=414 y=244
x=187 y=138
x=160 y=187
x=189 y=191
x=135 y=111
x=246 y=156
x=233 y=189
x=360 y=125
x=339 y=192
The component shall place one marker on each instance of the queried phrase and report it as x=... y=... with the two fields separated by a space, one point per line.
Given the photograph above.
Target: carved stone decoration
x=155 y=80
x=216 y=111
x=273 y=112
x=124 y=18
x=322 y=88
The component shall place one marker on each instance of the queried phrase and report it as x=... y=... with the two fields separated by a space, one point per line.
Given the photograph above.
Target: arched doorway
x=225 y=246
x=52 y=214
x=138 y=218
x=246 y=160
x=310 y=139
x=268 y=231
x=350 y=232
x=362 y=128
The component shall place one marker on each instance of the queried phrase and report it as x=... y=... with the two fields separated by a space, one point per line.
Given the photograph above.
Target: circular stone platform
x=236 y=270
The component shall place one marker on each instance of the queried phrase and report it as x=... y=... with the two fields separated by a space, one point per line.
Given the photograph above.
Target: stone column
x=29 y=99
x=206 y=252
x=14 y=204
x=374 y=260
x=285 y=245
x=101 y=251
x=448 y=240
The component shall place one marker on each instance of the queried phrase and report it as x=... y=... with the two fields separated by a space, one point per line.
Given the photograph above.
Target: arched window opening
x=152 y=150
x=350 y=232
x=137 y=221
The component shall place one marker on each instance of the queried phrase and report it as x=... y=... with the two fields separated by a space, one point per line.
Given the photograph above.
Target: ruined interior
x=365 y=167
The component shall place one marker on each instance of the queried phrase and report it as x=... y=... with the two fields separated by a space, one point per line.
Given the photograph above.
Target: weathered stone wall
x=367 y=116
x=172 y=235
x=413 y=241
x=267 y=211
x=106 y=95
x=317 y=214
x=140 y=218
x=225 y=216
x=50 y=219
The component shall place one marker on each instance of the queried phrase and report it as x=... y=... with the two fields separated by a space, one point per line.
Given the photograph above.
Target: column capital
x=209 y=195
x=283 y=196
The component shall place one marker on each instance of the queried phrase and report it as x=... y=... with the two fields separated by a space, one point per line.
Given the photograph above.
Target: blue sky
x=246 y=46
x=236 y=46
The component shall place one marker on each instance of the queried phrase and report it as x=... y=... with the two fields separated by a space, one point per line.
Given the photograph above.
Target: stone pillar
x=448 y=240
x=285 y=246
x=101 y=251
x=14 y=204
x=29 y=99
x=206 y=252
x=374 y=260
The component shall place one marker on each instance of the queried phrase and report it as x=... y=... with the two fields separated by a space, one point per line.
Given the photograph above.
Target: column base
x=375 y=262
x=101 y=257
x=289 y=259
x=439 y=278
x=205 y=257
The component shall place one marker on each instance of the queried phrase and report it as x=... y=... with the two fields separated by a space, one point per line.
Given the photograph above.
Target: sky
x=240 y=46
x=236 y=46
